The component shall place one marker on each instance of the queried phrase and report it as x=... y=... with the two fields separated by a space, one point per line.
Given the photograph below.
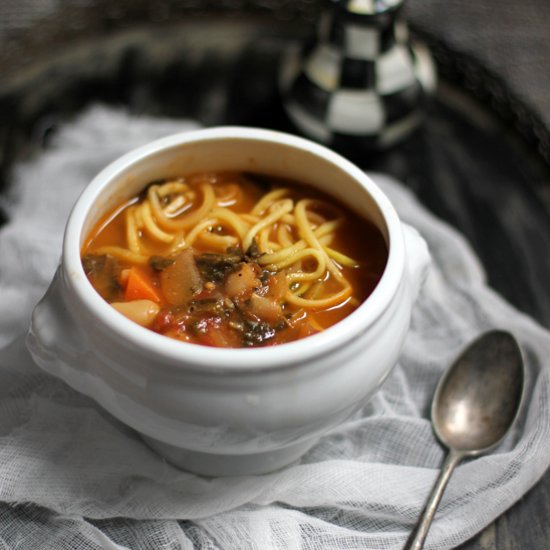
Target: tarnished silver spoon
x=474 y=405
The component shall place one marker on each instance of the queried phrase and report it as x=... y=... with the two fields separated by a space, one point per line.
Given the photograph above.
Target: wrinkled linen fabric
x=72 y=477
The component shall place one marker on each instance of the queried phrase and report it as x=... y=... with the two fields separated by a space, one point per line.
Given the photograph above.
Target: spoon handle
x=418 y=536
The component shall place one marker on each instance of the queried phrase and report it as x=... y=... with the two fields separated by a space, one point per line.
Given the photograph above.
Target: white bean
x=142 y=312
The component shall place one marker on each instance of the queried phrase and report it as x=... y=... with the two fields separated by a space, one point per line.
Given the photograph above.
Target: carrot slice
x=140 y=287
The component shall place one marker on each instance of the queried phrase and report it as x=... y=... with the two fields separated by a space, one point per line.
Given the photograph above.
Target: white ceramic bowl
x=227 y=411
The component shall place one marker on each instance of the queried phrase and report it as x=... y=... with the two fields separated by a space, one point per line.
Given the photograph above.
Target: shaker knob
x=362 y=82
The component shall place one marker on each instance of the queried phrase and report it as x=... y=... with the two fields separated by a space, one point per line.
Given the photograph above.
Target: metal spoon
x=475 y=403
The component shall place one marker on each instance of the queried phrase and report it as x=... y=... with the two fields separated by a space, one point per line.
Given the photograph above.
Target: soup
x=234 y=259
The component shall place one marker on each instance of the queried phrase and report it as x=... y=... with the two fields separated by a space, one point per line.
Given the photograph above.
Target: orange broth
x=356 y=238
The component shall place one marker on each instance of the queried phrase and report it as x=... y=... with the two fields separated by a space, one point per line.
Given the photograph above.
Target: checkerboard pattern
x=361 y=79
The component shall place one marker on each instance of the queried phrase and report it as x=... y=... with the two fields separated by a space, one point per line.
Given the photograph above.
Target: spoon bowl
x=474 y=405
x=477 y=399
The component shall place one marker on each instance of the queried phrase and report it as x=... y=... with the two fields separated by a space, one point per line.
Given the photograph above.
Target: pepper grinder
x=361 y=83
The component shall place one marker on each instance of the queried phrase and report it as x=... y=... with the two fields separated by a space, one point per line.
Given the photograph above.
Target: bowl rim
x=190 y=356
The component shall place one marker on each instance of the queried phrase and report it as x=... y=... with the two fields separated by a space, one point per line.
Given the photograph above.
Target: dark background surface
x=481 y=160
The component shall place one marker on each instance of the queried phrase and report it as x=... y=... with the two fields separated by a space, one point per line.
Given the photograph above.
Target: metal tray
x=476 y=162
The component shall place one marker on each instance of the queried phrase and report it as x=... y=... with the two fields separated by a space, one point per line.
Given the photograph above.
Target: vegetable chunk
x=242 y=283
x=140 y=287
x=142 y=312
x=181 y=280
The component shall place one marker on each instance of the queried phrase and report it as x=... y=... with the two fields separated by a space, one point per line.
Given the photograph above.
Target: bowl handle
x=418 y=258
x=53 y=338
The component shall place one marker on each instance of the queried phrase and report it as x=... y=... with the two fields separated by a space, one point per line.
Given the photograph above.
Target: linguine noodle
x=290 y=235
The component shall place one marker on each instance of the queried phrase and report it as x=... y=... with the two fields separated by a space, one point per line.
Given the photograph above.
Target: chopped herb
x=209 y=305
x=93 y=264
x=257 y=333
x=235 y=251
x=265 y=276
x=214 y=267
x=103 y=271
x=158 y=263
x=253 y=251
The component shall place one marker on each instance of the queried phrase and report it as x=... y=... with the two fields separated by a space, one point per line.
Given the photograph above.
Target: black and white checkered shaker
x=361 y=83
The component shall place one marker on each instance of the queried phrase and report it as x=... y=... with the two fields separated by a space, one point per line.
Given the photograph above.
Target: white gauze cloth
x=72 y=477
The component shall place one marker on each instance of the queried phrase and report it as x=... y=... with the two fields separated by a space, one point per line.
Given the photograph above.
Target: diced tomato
x=163 y=321
x=215 y=333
